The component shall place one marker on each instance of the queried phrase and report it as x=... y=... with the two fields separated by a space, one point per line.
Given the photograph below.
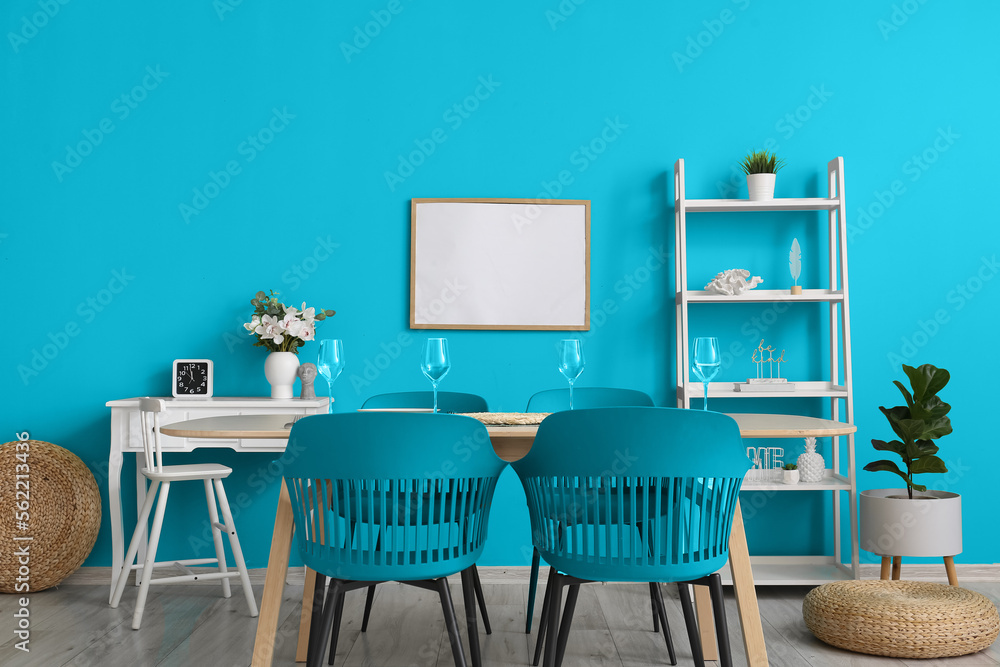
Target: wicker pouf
x=63 y=515
x=901 y=619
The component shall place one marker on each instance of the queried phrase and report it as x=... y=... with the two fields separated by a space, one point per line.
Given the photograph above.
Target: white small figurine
x=733 y=282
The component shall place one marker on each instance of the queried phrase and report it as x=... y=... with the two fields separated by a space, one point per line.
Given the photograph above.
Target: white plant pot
x=760 y=186
x=280 y=370
x=894 y=525
x=790 y=476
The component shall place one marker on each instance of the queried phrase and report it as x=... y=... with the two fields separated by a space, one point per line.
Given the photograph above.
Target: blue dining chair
x=374 y=501
x=554 y=400
x=648 y=495
x=448 y=401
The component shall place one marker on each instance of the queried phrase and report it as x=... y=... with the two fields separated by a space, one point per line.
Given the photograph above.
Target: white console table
x=126 y=437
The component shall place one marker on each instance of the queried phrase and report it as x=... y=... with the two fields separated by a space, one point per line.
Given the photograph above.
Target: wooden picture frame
x=500 y=264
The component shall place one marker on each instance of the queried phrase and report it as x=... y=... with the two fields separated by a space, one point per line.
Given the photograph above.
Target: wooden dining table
x=510 y=443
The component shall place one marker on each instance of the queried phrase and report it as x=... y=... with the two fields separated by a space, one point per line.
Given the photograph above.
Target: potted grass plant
x=913 y=521
x=760 y=168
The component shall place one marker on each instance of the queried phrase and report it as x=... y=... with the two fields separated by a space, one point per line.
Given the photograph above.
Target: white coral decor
x=732 y=282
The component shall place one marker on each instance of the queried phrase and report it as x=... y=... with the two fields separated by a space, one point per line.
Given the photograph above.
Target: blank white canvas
x=516 y=265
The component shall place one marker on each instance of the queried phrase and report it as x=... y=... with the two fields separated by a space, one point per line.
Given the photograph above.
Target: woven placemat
x=509 y=418
x=901 y=619
x=63 y=514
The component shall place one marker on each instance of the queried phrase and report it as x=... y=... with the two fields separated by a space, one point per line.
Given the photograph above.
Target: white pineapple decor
x=811 y=464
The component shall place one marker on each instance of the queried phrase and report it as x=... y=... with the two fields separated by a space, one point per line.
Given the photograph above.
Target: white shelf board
x=762 y=295
x=831 y=482
x=789 y=204
x=807 y=389
x=793 y=571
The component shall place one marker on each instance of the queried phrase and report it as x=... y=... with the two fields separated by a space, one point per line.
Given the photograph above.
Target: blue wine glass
x=330 y=363
x=707 y=361
x=435 y=363
x=571 y=362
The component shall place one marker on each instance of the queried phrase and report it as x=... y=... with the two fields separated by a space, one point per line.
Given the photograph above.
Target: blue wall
x=162 y=163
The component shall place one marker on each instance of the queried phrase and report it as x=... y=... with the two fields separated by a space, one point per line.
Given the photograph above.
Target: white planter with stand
x=760 y=186
x=894 y=525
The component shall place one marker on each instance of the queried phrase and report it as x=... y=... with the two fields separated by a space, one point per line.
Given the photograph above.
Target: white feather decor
x=794 y=261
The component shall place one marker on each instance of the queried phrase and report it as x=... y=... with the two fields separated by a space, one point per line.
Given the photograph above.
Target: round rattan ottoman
x=901 y=619
x=47 y=494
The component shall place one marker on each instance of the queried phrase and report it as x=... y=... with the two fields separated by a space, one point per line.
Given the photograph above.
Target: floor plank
x=73 y=626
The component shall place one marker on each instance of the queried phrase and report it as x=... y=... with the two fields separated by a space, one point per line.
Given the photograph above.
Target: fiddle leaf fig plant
x=918 y=424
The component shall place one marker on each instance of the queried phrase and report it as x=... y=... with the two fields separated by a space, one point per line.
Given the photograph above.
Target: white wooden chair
x=160 y=478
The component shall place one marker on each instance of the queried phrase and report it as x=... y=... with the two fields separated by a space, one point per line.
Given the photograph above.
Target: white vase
x=280 y=370
x=790 y=476
x=894 y=525
x=760 y=186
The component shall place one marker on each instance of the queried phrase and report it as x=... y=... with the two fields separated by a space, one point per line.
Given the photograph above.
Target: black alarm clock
x=192 y=378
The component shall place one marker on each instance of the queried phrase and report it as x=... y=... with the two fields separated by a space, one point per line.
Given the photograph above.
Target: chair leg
x=719 y=609
x=544 y=620
x=482 y=600
x=315 y=658
x=692 y=627
x=469 y=597
x=338 y=617
x=368 y=608
x=661 y=612
x=652 y=602
x=133 y=547
x=213 y=520
x=147 y=569
x=567 y=621
x=555 y=601
x=449 y=620
x=532 y=585
x=316 y=618
x=234 y=544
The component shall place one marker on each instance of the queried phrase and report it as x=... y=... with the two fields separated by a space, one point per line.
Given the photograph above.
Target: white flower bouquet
x=282 y=328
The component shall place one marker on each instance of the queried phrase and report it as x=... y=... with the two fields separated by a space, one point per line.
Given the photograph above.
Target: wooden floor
x=194 y=625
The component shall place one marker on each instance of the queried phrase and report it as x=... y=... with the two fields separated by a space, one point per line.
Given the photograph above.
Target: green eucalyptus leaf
x=928 y=464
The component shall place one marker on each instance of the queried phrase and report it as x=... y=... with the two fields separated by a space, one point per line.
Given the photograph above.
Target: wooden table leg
x=274 y=581
x=897 y=566
x=886 y=563
x=706 y=623
x=746 y=594
x=302 y=652
x=949 y=566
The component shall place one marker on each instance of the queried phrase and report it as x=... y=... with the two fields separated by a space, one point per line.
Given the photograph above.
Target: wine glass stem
x=329 y=392
x=570 y=394
x=704 y=405
x=434 y=384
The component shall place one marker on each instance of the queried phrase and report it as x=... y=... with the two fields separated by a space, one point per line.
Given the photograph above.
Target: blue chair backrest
x=385 y=496
x=448 y=401
x=634 y=494
x=554 y=400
